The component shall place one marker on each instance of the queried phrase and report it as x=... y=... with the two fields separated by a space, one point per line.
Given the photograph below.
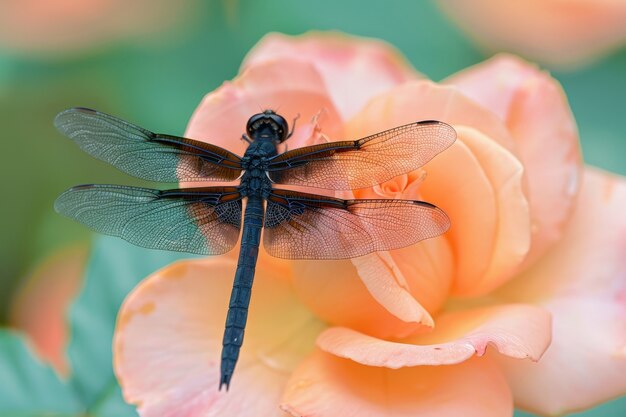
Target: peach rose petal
x=494 y=83
x=336 y=294
x=290 y=87
x=472 y=233
x=425 y=100
x=492 y=238
x=354 y=69
x=388 y=286
x=535 y=109
x=513 y=231
x=582 y=282
x=168 y=342
x=327 y=386
x=519 y=331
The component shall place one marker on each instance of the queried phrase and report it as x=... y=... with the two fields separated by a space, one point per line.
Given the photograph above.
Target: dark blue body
x=256 y=186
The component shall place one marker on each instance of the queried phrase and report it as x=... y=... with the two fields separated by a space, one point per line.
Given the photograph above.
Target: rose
x=534 y=234
x=557 y=32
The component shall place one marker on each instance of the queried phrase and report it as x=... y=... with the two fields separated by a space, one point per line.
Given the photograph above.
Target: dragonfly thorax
x=255 y=183
x=255 y=163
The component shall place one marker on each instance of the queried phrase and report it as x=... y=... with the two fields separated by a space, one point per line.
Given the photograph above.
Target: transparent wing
x=144 y=154
x=309 y=226
x=205 y=221
x=364 y=162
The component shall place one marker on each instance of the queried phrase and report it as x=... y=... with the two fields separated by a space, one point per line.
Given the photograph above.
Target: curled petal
x=534 y=108
x=169 y=335
x=354 y=69
x=425 y=270
x=374 y=304
x=518 y=331
x=388 y=286
x=327 y=386
x=582 y=282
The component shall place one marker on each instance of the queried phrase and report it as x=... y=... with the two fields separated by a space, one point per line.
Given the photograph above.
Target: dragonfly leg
x=293 y=126
x=246 y=138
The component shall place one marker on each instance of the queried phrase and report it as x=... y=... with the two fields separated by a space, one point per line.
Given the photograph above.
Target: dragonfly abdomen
x=242 y=288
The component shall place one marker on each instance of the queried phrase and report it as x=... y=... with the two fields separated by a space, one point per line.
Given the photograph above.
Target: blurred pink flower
x=535 y=253
x=555 y=32
x=40 y=306
x=53 y=26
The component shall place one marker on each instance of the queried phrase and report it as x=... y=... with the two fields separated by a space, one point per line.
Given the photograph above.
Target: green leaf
x=30 y=388
x=112 y=404
x=613 y=408
x=115 y=268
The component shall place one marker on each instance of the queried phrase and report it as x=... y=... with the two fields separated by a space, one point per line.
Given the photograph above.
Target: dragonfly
x=294 y=225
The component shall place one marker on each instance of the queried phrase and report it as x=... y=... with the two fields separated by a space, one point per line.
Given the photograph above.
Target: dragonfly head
x=266 y=125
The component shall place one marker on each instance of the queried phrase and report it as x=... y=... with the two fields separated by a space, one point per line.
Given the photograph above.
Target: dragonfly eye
x=253 y=124
x=281 y=126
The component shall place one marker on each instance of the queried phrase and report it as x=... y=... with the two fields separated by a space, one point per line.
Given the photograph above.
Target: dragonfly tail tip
x=225 y=382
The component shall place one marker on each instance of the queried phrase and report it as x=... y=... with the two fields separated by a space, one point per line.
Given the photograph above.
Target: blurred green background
x=156 y=80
